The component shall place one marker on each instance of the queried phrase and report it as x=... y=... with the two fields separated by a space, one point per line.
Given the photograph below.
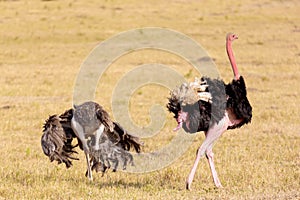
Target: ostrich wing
x=56 y=140
x=103 y=117
x=126 y=140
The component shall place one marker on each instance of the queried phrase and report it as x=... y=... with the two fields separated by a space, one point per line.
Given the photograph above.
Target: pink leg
x=211 y=135
x=210 y=158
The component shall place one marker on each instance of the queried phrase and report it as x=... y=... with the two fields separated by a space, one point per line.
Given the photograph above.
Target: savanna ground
x=43 y=43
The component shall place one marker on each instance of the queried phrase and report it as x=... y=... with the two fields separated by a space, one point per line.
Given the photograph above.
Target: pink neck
x=232 y=60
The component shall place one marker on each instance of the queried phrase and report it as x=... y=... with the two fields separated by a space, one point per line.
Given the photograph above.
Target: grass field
x=43 y=43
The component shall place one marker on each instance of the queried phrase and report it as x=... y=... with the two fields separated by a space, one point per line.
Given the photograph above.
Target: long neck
x=232 y=60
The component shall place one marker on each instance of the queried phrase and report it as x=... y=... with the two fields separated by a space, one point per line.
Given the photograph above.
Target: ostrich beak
x=179 y=126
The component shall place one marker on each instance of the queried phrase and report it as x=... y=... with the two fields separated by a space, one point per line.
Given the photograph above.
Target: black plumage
x=203 y=114
x=238 y=101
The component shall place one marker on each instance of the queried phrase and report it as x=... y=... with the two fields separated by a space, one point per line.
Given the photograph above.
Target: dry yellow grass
x=43 y=43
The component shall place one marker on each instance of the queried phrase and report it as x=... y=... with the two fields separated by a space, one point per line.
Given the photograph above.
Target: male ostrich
x=104 y=142
x=211 y=106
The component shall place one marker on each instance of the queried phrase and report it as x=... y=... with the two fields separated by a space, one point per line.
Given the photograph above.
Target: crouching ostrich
x=211 y=106
x=104 y=142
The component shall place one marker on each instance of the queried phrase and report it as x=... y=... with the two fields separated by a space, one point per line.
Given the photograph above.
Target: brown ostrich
x=104 y=142
x=211 y=106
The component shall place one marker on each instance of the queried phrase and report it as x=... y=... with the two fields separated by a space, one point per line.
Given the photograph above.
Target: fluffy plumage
x=237 y=101
x=203 y=114
x=115 y=142
x=57 y=140
x=114 y=149
x=91 y=115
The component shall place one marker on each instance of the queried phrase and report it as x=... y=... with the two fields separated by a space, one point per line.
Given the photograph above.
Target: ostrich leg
x=80 y=134
x=89 y=170
x=212 y=135
x=210 y=158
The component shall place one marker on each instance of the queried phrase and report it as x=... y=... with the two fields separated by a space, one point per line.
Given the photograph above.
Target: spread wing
x=57 y=139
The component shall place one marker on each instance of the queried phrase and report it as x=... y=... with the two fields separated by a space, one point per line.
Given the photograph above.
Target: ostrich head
x=231 y=37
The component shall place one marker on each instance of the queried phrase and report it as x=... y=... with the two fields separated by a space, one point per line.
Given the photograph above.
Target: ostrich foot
x=188 y=186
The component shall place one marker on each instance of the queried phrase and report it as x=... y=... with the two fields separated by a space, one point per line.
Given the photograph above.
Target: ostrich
x=104 y=142
x=211 y=106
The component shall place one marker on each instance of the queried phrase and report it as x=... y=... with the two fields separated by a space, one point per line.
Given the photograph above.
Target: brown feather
x=57 y=142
